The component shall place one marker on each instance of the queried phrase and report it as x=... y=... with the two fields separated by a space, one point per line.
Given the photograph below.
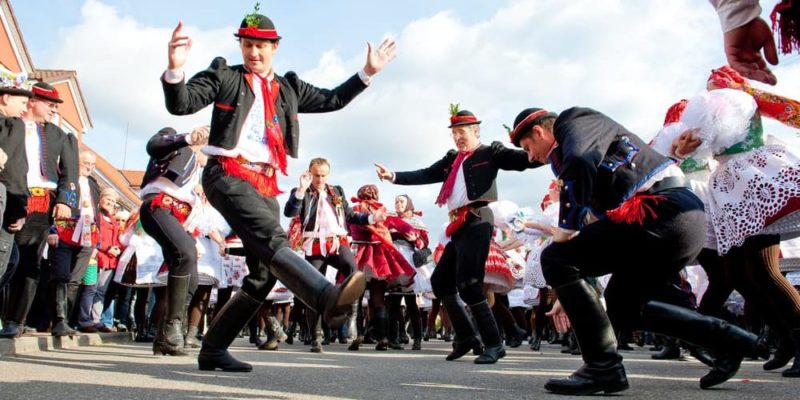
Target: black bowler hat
x=525 y=119
x=461 y=117
x=44 y=91
x=257 y=26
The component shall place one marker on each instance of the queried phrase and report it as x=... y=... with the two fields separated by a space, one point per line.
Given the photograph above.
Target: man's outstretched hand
x=377 y=58
x=179 y=46
x=743 y=49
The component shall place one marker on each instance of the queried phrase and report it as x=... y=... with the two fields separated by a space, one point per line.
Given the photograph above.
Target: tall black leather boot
x=727 y=342
x=223 y=330
x=379 y=328
x=492 y=343
x=671 y=350
x=794 y=371
x=465 y=333
x=22 y=299
x=602 y=370
x=315 y=329
x=171 y=329
x=783 y=354
x=58 y=292
x=334 y=302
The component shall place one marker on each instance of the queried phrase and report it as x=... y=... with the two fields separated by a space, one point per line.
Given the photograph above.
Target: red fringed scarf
x=39 y=204
x=636 y=209
x=779 y=108
x=786 y=23
x=266 y=185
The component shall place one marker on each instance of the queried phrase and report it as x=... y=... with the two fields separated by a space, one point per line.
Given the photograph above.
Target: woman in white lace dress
x=754 y=195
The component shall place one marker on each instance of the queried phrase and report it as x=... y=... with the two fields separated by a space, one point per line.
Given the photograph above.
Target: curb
x=45 y=342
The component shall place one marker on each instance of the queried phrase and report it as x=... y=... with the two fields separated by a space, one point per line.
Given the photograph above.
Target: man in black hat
x=469 y=175
x=15 y=92
x=646 y=230
x=253 y=128
x=52 y=177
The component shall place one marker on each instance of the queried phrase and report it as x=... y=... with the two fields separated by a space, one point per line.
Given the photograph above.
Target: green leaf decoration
x=454 y=109
x=252 y=19
x=508 y=129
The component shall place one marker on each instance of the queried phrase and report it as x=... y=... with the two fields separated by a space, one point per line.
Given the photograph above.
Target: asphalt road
x=130 y=371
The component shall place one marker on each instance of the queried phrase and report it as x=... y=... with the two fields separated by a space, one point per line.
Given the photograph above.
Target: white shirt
x=735 y=13
x=330 y=226
x=33 y=145
x=252 y=144
x=458 y=197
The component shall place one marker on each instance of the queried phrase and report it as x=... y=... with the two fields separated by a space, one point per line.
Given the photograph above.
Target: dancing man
x=253 y=129
x=469 y=175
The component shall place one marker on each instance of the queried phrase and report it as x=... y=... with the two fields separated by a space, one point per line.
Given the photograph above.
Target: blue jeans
x=92 y=300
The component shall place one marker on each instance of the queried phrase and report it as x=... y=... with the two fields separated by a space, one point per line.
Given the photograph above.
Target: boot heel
x=616 y=387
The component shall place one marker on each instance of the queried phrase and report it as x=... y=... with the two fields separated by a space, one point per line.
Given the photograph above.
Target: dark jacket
x=59 y=162
x=480 y=170
x=307 y=208
x=15 y=174
x=170 y=157
x=229 y=88
x=599 y=164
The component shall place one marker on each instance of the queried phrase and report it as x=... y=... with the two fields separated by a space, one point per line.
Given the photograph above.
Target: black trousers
x=344 y=261
x=642 y=259
x=177 y=245
x=463 y=263
x=68 y=263
x=30 y=242
x=254 y=218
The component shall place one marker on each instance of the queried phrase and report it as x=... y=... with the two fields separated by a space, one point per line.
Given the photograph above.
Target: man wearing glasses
x=52 y=179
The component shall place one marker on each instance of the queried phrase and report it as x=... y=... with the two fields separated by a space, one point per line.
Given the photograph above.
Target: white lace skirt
x=749 y=189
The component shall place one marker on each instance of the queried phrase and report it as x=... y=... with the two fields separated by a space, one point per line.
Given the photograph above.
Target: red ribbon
x=253 y=32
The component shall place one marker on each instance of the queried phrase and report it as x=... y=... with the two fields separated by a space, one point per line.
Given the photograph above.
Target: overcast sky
x=629 y=59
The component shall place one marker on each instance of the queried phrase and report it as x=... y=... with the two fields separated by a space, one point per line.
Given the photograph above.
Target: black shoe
x=491 y=354
x=316 y=346
x=214 y=359
x=223 y=330
x=396 y=346
x=354 y=346
x=536 y=343
x=462 y=347
x=602 y=370
x=794 y=371
x=590 y=380
x=417 y=344
x=11 y=330
x=271 y=344
x=382 y=345
x=783 y=354
x=670 y=351
x=171 y=327
x=513 y=341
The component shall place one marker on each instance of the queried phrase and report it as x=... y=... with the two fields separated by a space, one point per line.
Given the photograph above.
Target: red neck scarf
x=447 y=187
x=277 y=149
